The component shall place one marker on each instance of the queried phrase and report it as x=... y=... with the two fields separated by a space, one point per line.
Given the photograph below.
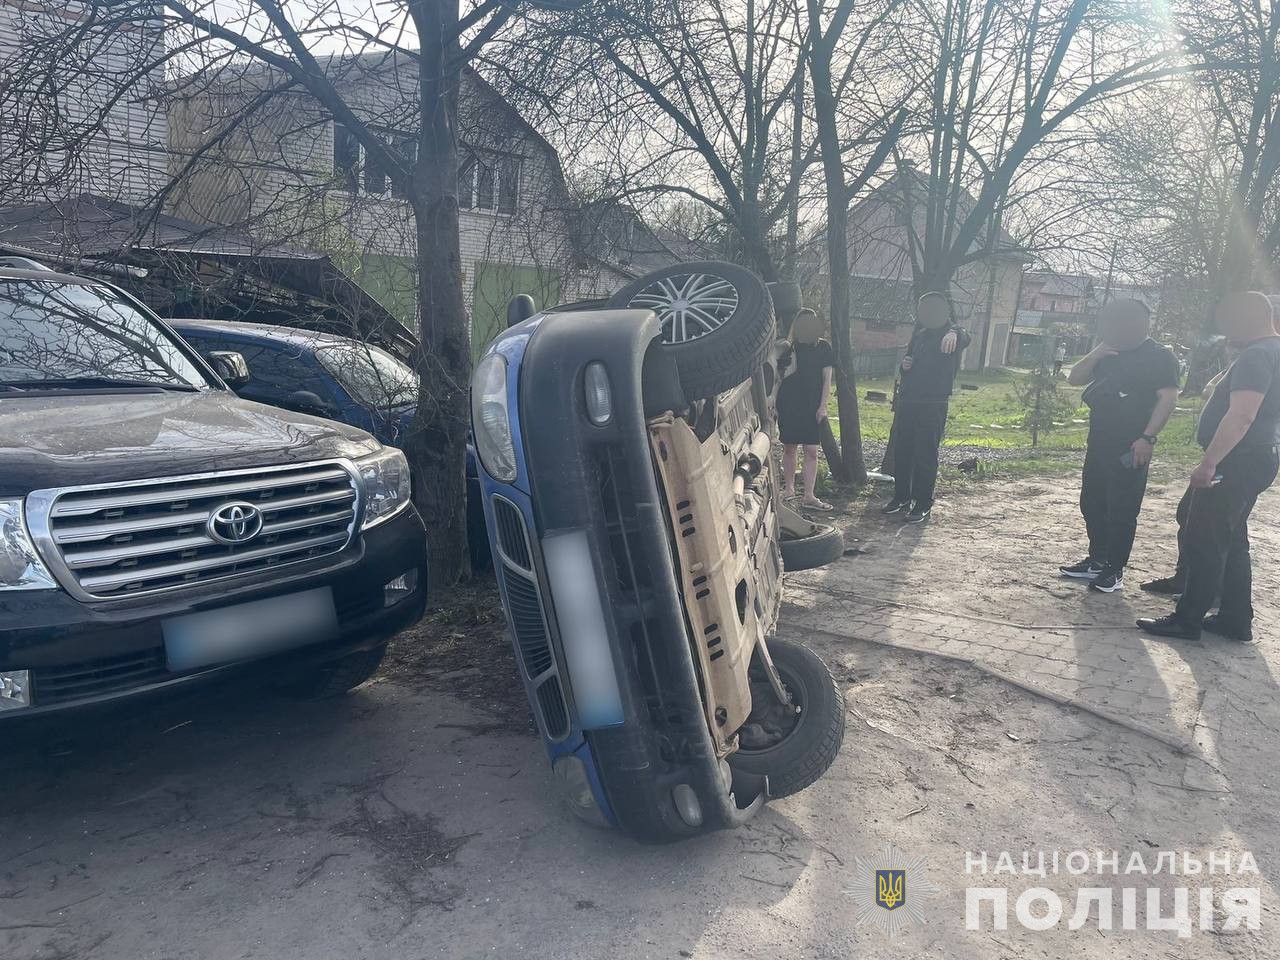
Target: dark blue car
x=323 y=374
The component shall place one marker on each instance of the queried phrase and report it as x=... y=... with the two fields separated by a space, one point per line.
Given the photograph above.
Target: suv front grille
x=125 y=539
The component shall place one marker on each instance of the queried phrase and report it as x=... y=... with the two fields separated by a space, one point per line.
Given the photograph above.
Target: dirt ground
x=417 y=818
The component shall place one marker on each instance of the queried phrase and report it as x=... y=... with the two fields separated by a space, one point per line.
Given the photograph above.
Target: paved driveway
x=406 y=821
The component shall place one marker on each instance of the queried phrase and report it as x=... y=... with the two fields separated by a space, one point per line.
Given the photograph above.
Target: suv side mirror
x=304 y=401
x=230 y=366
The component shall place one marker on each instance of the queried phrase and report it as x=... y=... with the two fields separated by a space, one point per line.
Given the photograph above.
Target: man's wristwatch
x=1149 y=438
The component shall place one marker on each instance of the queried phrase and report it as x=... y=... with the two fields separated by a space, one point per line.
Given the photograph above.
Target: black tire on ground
x=816 y=550
x=724 y=338
x=804 y=753
x=334 y=677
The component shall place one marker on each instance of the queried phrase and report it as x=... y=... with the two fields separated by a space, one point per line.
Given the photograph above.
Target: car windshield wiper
x=79 y=383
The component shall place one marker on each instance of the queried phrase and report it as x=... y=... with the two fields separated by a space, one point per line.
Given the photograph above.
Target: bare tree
x=667 y=98
x=826 y=36
x=273 y=51
x=1005 y=82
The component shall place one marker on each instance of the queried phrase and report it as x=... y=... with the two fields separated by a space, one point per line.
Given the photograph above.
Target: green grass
x=991 y=417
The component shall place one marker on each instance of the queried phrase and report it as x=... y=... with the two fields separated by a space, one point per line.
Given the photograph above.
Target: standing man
x=1239 y=430
x=928 y=377
x=1059 y=358
x=1133 y=388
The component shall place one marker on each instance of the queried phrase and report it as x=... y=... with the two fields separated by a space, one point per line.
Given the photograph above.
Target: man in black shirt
x=1239 y=430
x=920 y=415
x=1133 y=388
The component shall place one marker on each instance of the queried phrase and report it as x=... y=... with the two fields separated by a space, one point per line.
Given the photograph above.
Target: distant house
x=291 y=173
x=1063 y=307
x=984 y=291
x=99 y=126
x=618 y=245
x=1052 y=308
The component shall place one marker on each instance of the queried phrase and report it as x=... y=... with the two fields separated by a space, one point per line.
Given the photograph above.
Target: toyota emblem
x=235 y=523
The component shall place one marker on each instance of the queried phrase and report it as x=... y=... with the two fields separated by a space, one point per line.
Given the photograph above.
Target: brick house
x=984 y=291
x=291 y=173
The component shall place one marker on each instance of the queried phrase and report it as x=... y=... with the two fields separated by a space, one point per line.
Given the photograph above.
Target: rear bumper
x=89 y=654
x=600 y=480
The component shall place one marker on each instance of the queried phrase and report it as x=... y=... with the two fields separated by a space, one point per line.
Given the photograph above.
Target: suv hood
x=53 y=440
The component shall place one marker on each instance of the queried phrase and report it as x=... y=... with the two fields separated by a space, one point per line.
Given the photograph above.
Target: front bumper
x=576 y=477
x=86 y=654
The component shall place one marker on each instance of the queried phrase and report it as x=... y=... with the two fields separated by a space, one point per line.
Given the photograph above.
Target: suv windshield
x=56 y=335
x=371 y=375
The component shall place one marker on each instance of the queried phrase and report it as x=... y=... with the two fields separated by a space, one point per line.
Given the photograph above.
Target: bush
x=1047 y=404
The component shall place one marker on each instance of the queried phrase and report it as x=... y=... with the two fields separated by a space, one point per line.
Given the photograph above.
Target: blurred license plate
x=250 y=629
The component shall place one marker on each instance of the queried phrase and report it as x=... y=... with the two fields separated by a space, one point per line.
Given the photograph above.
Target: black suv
x=157 y=530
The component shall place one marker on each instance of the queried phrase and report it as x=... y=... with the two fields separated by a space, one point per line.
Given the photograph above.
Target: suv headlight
x=490 y=419
x=386 y=485
x=20 y=566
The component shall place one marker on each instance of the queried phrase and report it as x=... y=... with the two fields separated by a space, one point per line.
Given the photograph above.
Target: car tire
x=334 y=677
x=806 y=752
x=734 y=322
x=818 y=549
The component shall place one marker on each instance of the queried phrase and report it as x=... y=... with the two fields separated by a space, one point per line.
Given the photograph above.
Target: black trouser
x=1216 y=538
x=1110 y=500
x=1184 y=507
x=918 y=428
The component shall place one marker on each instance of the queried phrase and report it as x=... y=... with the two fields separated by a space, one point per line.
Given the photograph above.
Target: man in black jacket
x=928 y=377
x=1133 y=388
x=1239 y=431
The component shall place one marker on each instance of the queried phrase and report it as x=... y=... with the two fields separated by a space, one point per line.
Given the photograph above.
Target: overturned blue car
x=639 y=543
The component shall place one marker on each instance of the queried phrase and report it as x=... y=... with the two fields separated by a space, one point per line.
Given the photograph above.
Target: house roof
x=1061 y=284
x=162 y=257
x=908 y=177
x=93 y=226
x=881 y=299
x=612 y=232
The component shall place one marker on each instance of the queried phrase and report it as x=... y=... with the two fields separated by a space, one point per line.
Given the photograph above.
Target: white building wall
x=75 y=140
x=276 y=177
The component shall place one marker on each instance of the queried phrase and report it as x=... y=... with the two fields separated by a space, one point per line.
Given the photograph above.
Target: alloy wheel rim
x=689 y=306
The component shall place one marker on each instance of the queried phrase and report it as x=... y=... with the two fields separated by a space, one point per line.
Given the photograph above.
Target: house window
x=489 y=182
x=360 y=173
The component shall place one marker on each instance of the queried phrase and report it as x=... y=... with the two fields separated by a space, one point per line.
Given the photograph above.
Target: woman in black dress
x=802 y=405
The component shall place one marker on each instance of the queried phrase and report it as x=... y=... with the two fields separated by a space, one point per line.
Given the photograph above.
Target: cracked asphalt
x=992 y=707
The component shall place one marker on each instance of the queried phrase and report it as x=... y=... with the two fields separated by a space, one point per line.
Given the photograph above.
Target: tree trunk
x=850 y=466
x=437 y=441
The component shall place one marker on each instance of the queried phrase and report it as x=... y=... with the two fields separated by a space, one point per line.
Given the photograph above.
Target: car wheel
x=818 y=549
x=334 y=677
x=717 y=321
x=792 y=747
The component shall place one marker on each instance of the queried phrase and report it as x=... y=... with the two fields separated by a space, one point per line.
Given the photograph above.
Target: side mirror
x=520 y=308
x=230 y=366
x=304 y=401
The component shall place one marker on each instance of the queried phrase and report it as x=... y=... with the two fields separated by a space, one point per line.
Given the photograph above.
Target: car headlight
x=20 y=566
x=490 y=419
x=386 y=485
